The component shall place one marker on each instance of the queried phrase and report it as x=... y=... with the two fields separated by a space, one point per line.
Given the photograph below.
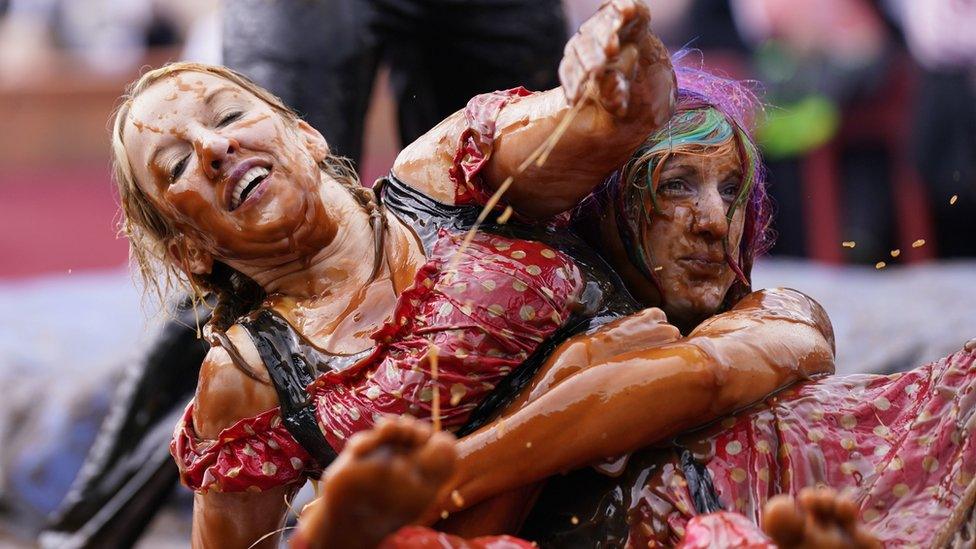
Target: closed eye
x=178 y=169
x=230 y=117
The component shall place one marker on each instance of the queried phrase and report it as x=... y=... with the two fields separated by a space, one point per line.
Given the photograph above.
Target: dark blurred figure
x=321 y=56
x=128 y=473
x=832 y=76
x=945 y=151
x=940 y=37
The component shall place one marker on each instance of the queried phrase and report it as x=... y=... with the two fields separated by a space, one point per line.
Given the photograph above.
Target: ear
x=314 y=141
x=190 y=257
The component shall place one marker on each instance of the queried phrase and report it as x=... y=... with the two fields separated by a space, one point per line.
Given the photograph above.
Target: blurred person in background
x=940 y=37
x=321 y=57
x=109 y=37
x=815 y=60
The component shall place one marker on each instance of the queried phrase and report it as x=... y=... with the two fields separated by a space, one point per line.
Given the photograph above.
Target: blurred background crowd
x=869 y=137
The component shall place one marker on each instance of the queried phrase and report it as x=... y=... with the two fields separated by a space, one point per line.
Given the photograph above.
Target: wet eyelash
x=229 y=118
x=664 y=185
x=732 y=189
x=178 y=168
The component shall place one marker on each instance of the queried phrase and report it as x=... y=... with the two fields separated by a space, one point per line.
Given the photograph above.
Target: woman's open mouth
x=246 y=186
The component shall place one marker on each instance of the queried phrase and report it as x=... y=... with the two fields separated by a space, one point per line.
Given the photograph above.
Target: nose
x=708 y=216
x=214 y=150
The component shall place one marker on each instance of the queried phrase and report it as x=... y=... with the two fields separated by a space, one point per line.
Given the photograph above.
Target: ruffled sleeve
x=253 y=455
x=475 y=145
x=724 y=529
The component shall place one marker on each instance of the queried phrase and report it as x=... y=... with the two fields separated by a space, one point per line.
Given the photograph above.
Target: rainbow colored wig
x=713 y=115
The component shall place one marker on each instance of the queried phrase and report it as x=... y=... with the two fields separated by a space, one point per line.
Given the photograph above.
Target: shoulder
x=791 y=304
x=426 y=163
x=785 y=298
x=226 y=393
x=798 y=300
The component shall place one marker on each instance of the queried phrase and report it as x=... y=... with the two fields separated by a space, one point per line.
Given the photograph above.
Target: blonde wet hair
x=149 y=231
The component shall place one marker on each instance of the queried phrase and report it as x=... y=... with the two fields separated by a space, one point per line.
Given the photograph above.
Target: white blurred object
x=665 y=14
x=894 y=319
x=848 y=31
x=109 y=35
x=203 y=39
x=940 y=33
x=25 y=40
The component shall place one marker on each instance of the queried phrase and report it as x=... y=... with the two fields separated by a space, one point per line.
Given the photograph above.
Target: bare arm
x=240 y=519
x=635 y=87
x=770 y=339
x=224 y=396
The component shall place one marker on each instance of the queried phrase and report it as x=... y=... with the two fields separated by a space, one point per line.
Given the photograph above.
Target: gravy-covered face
x=238 y=179
x=687 y=236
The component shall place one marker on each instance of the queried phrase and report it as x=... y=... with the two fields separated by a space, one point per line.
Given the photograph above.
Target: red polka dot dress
x=484 y=309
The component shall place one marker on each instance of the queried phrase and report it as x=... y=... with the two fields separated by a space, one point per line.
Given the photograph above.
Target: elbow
x=818 y=361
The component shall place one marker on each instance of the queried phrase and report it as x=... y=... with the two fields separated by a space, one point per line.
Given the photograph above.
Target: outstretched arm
x=769 y=340
x=634 y=86
x=224 y=396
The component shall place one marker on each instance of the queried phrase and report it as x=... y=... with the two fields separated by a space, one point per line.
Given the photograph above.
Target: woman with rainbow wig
x=711 y=125
x=869 y=459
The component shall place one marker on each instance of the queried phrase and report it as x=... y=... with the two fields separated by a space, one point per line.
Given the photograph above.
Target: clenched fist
x=614 y=48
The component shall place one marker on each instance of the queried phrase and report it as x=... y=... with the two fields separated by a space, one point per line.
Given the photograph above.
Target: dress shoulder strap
x=285 y=355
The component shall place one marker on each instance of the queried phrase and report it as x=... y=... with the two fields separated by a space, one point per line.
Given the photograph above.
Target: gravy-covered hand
x=644 y=330
x=607 y=49
x=502 y=134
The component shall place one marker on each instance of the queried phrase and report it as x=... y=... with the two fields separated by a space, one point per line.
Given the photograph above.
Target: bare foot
x=384 y=479
x=819 y=518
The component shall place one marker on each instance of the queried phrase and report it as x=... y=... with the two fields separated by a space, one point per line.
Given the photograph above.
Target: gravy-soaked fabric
x=252 y=455
x=418 y=537
x=476 y=142
x=900 y=445
x=724 y=529
x=485 y=317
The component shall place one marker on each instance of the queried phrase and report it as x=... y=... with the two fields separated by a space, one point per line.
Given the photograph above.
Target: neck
x=342 y=264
